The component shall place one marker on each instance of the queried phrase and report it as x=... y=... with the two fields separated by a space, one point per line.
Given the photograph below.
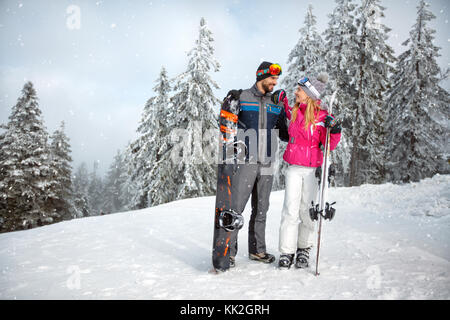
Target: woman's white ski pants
x=297 y=228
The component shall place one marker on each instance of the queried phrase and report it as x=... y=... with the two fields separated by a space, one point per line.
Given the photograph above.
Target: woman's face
x=300 y=95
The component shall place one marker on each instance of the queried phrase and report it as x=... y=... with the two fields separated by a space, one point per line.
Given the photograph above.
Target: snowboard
x=228 y=151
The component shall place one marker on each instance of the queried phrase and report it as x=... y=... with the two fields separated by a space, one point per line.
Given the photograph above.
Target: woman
x=309 y=119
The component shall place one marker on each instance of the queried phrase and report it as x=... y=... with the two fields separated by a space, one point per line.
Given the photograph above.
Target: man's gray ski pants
x=254 y=180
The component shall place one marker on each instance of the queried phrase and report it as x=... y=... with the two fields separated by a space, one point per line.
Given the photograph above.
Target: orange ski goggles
x=274 y=70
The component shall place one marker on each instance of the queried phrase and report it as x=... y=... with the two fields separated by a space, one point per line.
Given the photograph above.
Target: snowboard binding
x=328 y=215
x=230 y=220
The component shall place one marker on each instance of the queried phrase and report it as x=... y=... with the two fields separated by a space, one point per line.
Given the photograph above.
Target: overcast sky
x=97 y=72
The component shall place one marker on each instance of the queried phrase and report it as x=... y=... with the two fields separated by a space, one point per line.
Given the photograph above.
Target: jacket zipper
x=262 y=125
x=310 y=145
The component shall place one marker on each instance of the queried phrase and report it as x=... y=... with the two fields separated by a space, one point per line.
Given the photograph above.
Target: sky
x=94 y=63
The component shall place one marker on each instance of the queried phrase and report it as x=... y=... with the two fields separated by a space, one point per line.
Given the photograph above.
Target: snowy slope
x=386 y=242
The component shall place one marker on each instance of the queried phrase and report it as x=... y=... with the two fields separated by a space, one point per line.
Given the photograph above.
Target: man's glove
x=278 y=96
x=235 y=94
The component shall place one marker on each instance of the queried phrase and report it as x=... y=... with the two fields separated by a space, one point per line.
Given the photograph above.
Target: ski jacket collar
x=258 y=93
x=322 y=104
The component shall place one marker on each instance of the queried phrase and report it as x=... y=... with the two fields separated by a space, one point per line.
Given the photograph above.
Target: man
x=261 y=120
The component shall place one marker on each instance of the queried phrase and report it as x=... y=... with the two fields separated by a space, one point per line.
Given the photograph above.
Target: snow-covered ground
x=386 y=242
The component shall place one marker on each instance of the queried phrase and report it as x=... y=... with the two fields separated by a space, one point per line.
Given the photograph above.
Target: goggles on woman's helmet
x=304 y=82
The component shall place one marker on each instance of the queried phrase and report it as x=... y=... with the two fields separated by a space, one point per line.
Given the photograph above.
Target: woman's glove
x=278 y=96
x=330 y=121
x=333 y=123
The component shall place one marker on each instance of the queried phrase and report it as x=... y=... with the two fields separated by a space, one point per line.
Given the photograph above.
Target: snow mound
x=386 y=242
x=429 y=197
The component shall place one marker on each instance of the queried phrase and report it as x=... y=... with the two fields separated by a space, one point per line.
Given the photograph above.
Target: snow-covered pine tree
x=341 y=46
x=371 y=83
x=149 y=170
x=95 y=191
x=113 y=185
x=3 y=194
x=280 y=166
x=194 y=116
x=62 y=201
x=162 y=187
x=416 y=141
x=81 y=193
x=127 y=189
x=24 y=166
x=141 y=151
x=307 y=57
x=134 y=181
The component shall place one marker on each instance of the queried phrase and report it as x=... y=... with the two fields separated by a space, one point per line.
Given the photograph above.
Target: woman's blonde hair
x=311 y=112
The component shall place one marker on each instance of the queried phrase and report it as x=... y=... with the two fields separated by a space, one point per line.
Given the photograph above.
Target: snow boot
x=302 y=258
x=262 y=257
x=285 y=261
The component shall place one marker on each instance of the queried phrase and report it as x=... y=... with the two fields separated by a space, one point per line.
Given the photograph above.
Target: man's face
x=269 y=83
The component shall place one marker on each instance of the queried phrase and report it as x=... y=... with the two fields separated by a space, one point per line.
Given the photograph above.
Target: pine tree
x=416 y=138
x=141 y=151
x=341 y=43
x=148 y=165
x=113 y=185
x=306 y=58
x=371 y=83
x=61 y=171
x=280 y=166
x=194 y=118
x=81 y=192
x=161 y=173
x=3 y=194
x=24 y=166
x=127 y=189
x=95 y=192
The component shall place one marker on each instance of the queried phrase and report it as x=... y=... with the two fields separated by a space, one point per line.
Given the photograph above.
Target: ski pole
x=322 y=195
x=323 y=182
